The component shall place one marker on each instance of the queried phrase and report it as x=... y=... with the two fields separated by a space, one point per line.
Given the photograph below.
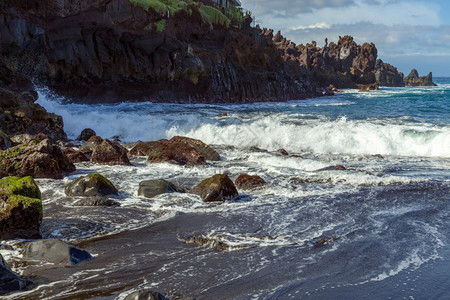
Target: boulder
x=91 y=185
x=206 y=150
x=216 y=188
x=153 y=188
x=10 y=281
x=75 y=156
x=249 y=182
x=413 y=79
x=40 y=158
x=5 y=141
x=55 y=251
x=173 y=153
x=86 y=134
x=21 y=208
x=109 y=153
x=96 y=201
x=178 y=150
x=283 y=152
x=89 y=144
x=145 y=295
x=333 y=168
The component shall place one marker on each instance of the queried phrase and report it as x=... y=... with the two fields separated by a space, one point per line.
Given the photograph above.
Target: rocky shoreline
x=111 y=51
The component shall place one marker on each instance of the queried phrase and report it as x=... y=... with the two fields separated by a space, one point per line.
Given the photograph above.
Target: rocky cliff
x=413 y=79
x=114 y=50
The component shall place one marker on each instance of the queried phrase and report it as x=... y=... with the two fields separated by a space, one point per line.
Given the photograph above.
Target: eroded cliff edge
x=113 y=50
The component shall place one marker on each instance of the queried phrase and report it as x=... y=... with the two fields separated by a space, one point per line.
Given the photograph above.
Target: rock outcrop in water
x=21 y=208
x=56 y=252
x=218 y=188
x=90 y=186
x=153 y=188
x=413 y=79
x=10 y=281
x=249 y=182
x=40 y=158
x=178 y=150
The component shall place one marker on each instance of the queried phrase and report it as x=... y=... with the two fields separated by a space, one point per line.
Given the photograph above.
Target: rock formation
x=413 y=79
x=21 y=208
x=90 y=186
x=18 y=112
x=40 y=158
x=218 y=188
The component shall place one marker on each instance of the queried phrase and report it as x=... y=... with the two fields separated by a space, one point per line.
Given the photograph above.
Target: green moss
x=101 y=181
x=160 y=25
x=20 y=192
x=11 y=152
x=214 y=16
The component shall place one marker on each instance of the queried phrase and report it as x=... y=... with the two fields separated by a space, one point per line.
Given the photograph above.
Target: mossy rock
x=153 y=188
x=21 y=212
x=91 y=185
x=215 y=189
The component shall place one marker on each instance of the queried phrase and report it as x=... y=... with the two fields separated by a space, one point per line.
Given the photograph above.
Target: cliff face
x=112 y=50
x=413 y=79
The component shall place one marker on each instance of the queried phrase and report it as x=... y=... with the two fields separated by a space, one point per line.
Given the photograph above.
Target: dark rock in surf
x=97 y=201
x=207 y=151
x=21 y=208
x=55 y=251
x=86 y=134
x=413 y=79
x=249 y=182
x=110 y=153
x=75 y=156
x=177 y=150
x=218 y=188
x=145 y=295
x=90 y=186
x=153 y=188
x=40 y=158
x=10 y=281
x=333 y=168
x=283 y=152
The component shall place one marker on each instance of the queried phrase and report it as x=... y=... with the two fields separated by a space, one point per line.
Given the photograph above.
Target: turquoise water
x=384 y=218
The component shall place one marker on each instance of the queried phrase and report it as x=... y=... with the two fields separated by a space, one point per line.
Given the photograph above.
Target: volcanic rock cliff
x=113 y=50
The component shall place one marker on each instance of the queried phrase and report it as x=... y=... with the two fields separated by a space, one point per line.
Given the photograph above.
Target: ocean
x=378 y=230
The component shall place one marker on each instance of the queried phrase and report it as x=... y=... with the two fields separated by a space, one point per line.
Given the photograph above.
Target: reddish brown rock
x=249 y=182
x=75 y=156
x=40 y=158
x=86 y=134
x=178 y=150
x=218 y=188
x=283 y=152
x=109 y=153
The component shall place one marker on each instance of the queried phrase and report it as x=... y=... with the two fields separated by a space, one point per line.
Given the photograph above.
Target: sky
x=407 y=33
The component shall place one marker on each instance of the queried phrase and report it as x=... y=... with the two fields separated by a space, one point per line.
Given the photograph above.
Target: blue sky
x=408 y=33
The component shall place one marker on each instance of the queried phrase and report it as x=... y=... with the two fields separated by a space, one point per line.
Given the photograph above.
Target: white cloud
x=321 y=25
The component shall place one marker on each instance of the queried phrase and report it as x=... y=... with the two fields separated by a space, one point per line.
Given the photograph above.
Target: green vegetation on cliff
x=212 y=14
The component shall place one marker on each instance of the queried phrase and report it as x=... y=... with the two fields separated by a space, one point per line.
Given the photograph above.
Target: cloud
x=321 y=25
